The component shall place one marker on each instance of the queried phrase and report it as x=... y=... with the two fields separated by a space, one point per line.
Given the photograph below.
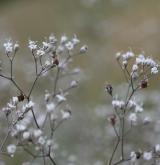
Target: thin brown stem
x=114 y=151
x=35 y=118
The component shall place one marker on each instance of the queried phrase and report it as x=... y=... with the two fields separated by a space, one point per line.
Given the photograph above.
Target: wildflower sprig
x=137 y=70
x=27 y=124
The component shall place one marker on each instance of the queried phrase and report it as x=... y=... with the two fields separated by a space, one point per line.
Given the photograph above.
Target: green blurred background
x=106 y=26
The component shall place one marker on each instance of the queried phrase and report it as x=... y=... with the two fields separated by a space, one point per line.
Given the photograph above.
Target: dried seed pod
x=109 y=89
x=21 y=97
x=56 y=61
x=112 y=119
x=138 y=154
x=144 y=84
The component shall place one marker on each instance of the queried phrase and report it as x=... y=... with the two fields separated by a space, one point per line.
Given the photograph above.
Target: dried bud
x=138 y=154
x=56 y=61
x=112 y=119
x=21 y=97
x=109 y=89
x=144 y=84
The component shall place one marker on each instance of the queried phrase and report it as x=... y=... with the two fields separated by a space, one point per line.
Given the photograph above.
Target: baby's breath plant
x=29 y=128
x=127 y=113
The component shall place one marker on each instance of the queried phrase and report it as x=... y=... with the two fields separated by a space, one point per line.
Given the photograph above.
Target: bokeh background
x=106 y=26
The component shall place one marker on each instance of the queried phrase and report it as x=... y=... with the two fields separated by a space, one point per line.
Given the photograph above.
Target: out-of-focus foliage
x=106 y=26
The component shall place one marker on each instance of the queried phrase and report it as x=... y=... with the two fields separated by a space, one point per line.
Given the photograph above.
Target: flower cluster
x=31 y=125
x=127 y=112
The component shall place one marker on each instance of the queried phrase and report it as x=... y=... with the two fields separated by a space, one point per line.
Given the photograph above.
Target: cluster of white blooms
x=137 y=70
x=50 y=50
x=10 y=47
x=146 y=155
x=141 y=62
x=11 y=106
x=118 y=104
x=132 y=104
x=32 y=45
x=69 y=44
x=149 y=62
x=27 y=121
x=135 y=108
x=128 y=55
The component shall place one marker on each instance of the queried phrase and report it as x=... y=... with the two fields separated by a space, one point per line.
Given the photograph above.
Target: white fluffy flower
x=45 y=45
x=147 y=155
x=41 y=140
x=133 y=156
x=150 y=62
x=8 y=47
x=49 y=142
x=118 y=104
x=37 y=133
x=75 y=40
x=61 y=97
x=69 y=45
x=138 y=108
x=140 y=59
x=84 y=49
x=127 y=55
x=11 y=149
x=74 y=83
x=134 y=67
x=64 y=39
x=133 y=117
x=30 y=105
x=15 y=100
x=131 y=104
x=50 y=107
x=20 y=127
x=11 y=106
x=65 y=114
x=154 y=70
x=147 y=120
x=40 y=52
x=60 y=49
x=157 y=148
x=47 y=63
x=52 y=39
x=32 y=45
x=26 y=135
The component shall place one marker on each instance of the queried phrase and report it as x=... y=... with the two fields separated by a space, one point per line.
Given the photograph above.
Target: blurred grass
x=106 y=26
